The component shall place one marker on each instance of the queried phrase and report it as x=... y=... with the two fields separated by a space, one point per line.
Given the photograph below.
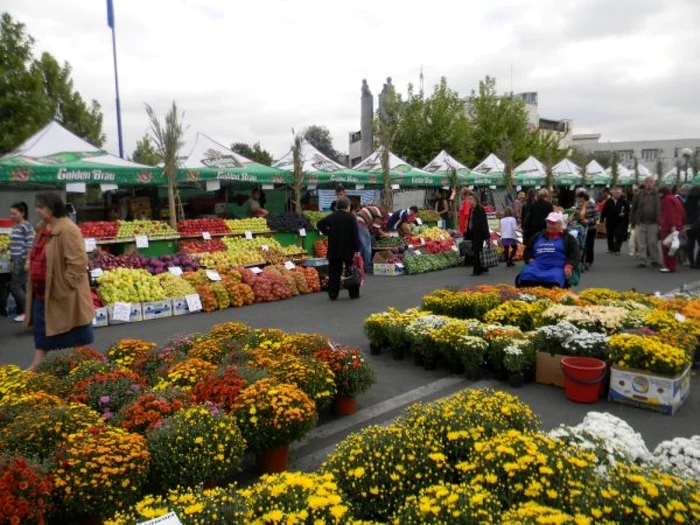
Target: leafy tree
x=659 y=168
x=614 y=171
x=167 y=137
x=255 y=152
x=320 y=138
x=298 y=170
x=34 y=91
x=432 y=124
x=145 y=153
x=580 y=157
x=495 y=118
x=390 y=116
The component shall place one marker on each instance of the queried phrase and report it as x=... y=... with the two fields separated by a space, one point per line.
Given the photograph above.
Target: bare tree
x=167 y=137
x=298 y=171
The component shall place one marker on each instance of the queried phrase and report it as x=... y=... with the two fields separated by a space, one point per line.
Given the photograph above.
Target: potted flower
x=185 y=374
x=25 y=491
x=155 y=363
x=61 y=362
x=353 y=376
x=498 y=337
x=107 y=393
x=420 y=332
x=125 y=351
x=149 y=410
x=90 y=462
x=220 y=388
x=518 y=358
x=315 y=378
x=296 y=498
x=199 y=444
x=271 y=415
x=470 y=350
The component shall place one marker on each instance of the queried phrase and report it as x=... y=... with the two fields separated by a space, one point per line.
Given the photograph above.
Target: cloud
x=251 y=71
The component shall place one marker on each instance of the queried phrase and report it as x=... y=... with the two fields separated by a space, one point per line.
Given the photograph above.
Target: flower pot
x=516 y=380
x=583 y=378
x=397 y=352
x=344 y=406
x=430 y=362
x=273 y=460
x=210 y=484
x=374 y=349
x=474 y=373
x=456 y=367
x=417 y=359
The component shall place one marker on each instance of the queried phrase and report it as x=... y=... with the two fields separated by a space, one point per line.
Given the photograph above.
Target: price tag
x=249 y=236
x=441 y=237
x=255 y=269
x=121 y=312
x=518 y=188
x=96 y=272
x=265 y=247
x=492 y=187
x=194 y=303
x=268 y=186
x=90 y=244
x=399 y=265
x=455 y=248
x=359 y=186
x=76 y=187
x=206 y=236
x=680 y=317
x=213 y=275
x=395 y=186
x=417 y=252
x=141 y=241
x=419 y=221
x=422 y=241
x=311 y=187
x=289 y=265
x=302 y=232
x=175 y=270
x=104 y=188
x=169 y=519
x=213 y=185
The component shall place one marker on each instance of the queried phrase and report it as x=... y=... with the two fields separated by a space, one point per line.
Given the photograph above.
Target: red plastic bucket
x=583 y=378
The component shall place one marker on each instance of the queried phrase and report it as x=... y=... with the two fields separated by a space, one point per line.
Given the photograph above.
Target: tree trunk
x=171 y=201
x=297 y=196
x=388 y=193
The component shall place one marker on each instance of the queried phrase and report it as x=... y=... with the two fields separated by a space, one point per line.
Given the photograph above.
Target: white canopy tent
x=491 y=164
x=445 y=163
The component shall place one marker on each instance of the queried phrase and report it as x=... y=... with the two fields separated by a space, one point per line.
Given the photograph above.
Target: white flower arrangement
x=679 y=456
x=424 y=325
x=565 y=338
x=608 y=318
x=528 y=298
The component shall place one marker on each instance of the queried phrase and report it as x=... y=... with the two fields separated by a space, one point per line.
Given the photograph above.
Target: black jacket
x=571 y=248
x=692 y=208
x=536 y=219
x=478 y=225
x=615 y=213
x=343 y=235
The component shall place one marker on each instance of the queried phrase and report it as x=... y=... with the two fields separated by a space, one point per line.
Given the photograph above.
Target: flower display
x=38 y=431
x=272 y=414
x=645 y=353
x=469 y=416
x=449 y=503
x=420 y=330
x=304 y=344
x=220 y=388
x=379 y=328
x=155 y=363
x=100 y=470
x=11 y=407
x=295 y=498
x=556 y=295
x=49 y=384
x=679 y=456
x=193 y=506
x=149 y=410
x=125 y=351
x=25 y=491
x=378 y=467
x=532 y=513
x=59 y=363
x=230 y=330
x=107 y=393
x=209 y=349
x=87 y=369
x=195 y=445
x=462 y=304
x=498 y=338
x=606 y=319
x=185 y=374
x=315 y=378
x=522 y=314
x=13 y=382
x=518 y=356
x=519 y=467
x=564 y=338
x=353 y=375
x=599 y=296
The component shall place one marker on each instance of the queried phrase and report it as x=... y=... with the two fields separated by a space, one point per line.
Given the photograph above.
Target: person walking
x=645 y=221
x=672 y=219
x=369 y=220
x=343 y=234
x=518 y=204
x=616 y=215
x=536 y=220
x=464 y=211
x=477 y=232
x=21 y=239
x=692 y=226
x=59 y=304
x=509 y=239
x=586 y=217
x=527 y=206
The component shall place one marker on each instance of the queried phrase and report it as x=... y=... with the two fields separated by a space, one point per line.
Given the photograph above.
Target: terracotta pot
x=344 y=406
x=375 y=349
x=417 y=359
x=273 y=460
x=397 y=353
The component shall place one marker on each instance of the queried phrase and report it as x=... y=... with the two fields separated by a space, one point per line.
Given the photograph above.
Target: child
x=508 y=238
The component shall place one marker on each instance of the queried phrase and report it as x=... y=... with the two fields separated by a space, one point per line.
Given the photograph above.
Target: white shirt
x=508 y=227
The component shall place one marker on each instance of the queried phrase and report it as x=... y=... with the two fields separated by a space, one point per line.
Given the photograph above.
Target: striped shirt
x=21 y=239
x=371 y=218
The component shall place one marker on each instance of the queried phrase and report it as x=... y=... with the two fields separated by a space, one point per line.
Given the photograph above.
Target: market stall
x=625 y=177
x=596 y=174
x=490 y=172
x=445 y=164
x=531 y=173
x=672 y=177
x=403 y=175
x=566 y=173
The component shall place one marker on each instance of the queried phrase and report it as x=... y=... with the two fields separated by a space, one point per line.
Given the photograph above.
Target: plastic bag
x=675 y=243
x=632 y=242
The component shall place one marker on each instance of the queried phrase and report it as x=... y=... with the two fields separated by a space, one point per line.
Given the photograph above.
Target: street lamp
x=686 y=153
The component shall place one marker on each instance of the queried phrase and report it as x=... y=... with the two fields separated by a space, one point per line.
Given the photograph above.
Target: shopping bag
x=632 y=242
x=675 y=244
x=668 y=240
x=489 y=257
x=354 y=276
x=465 y=249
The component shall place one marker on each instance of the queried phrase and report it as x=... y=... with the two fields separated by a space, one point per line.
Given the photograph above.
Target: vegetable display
x=430 y=263
x=287 y=221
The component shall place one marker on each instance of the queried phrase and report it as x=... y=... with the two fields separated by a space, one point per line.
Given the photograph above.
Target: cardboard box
x=548 y=369
x=136 y=314
x=157 y=310
x=642 y=389
x=100 y=319
x=180 y=306
x=391 y=270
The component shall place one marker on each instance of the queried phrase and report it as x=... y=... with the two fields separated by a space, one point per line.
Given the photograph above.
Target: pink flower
x=104 y=400
x=107 y=415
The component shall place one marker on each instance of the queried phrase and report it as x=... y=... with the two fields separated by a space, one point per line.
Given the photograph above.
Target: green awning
x=568 y=180
x=530 y=179
x=494 y=178
x=252 y=173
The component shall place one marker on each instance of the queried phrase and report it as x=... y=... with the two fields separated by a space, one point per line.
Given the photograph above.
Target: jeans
x=648 y=242
x=18 y=283
x=366 y=241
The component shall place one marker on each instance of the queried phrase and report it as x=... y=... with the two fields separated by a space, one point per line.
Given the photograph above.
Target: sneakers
x=19 y=319
x=665 y=270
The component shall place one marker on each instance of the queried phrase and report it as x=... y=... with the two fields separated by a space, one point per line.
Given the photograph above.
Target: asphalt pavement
x=400 y=382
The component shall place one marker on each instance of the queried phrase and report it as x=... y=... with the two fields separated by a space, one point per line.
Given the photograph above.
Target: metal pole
x=116 y=86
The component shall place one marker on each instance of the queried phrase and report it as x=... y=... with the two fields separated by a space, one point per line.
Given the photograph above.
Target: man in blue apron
x=551 y=256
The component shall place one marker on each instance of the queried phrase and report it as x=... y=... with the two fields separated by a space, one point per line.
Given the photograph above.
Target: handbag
x=354 y=276
x=465 y=249
x=489 y=257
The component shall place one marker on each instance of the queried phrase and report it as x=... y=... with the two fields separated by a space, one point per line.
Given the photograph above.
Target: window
x=355 y=137
x=625 y=155
x=675 y=153
x=355 y=161
x=650 y=154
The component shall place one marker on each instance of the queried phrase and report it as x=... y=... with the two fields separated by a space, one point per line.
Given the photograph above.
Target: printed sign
x=395 y=186
x=194 y=303
x=104 y=188
x=289 y=265
x=419 y=221
x=359 y=186
x=206 y=236
x=255 y=269
x=96 y=272
x=249 y=236
x=141 y=241
x=76 y=187
x=213 y=275
x=90 y=244
x=302 y=232
x=680 y=317
x=121 y=312
x=213 y=185
x=265 y=247
x=175 y=270
x=169 y=519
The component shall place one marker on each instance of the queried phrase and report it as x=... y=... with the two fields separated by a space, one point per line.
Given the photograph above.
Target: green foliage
x=255 y=152
x=33 y=91
x=145 y=153
x=320 y=138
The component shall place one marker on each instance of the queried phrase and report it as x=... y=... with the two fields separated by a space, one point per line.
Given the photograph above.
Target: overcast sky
x=249 y=71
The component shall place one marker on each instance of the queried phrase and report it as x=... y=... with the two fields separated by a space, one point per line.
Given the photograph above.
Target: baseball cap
x=555 y=217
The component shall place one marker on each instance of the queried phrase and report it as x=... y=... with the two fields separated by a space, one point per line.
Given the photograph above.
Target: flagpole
x=110 y=22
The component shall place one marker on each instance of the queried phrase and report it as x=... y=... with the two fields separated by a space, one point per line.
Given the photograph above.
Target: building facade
x=670 y=152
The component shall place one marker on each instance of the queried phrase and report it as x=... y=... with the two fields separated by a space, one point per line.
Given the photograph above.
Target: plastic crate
x=311 y=237
x=287 y=239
